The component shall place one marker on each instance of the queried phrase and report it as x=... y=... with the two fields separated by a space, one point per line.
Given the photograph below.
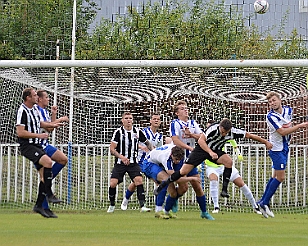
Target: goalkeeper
x=213 y=171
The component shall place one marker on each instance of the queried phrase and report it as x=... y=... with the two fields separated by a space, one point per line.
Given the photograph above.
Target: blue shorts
x=279 y=159
x=50 y=150
x=151 y=170
x=193 y=172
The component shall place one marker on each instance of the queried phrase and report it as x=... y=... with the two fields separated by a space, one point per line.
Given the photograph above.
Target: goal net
x=102 y=92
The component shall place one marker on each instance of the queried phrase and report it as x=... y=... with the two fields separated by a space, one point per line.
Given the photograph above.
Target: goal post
x=104 y=89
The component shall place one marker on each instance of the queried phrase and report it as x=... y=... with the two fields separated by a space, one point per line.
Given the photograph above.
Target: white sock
x=214 y=192
x=158 y=209
x=247 y=192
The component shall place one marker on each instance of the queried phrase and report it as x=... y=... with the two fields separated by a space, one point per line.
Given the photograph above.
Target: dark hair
x=26 y=92
x=40 y=93
x=177 y=152
x=226 y=124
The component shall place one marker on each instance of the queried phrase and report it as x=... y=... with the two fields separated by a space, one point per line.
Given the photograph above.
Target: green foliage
x=30 y=28
x=201 y=30
x=176 y=30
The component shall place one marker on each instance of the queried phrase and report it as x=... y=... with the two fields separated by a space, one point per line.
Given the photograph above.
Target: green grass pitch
x=132 y=228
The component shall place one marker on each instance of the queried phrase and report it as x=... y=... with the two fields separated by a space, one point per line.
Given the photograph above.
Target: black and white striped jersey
x=28 y=117
x=127 y=143
x=216 y=141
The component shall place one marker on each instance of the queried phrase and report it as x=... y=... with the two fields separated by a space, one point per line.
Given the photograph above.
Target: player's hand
x=64 y=119
x=125 y=160
x=239 y=158
x=43 y=135
x=268 y=145
x=54 y=109
x=213 y=155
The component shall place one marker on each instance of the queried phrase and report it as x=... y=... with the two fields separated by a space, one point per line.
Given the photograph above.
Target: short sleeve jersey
x=162 y=156
x=216 y=141
x=127 y=143
x=155 y=139
x=29 y=118
x=44 y=116
x=177 y=128
x=275 y=121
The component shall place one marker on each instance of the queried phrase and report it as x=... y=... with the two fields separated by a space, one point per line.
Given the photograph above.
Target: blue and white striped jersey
x=161 y=156
x=44 y=116
x=28 y=117
x=156 y=139
x=177 y=129
x=275 y=121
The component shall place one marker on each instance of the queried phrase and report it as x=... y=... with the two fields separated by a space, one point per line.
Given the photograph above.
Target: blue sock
x=128 y=194
x=56 y=168
x=202 y=203
x=160 y=199
x=271 y=191
x=169 y=203
x=266 y=188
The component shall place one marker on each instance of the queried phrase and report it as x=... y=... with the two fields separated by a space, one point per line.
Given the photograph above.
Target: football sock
x=56 y=168
x=202 y=202
x=128 y=194
x=112 y=193
x=169 y=203
x=248 y=194
x=271 y=190
x=141 y=195
x=48 y=180
x=41 y=194
x=160 y=198
x=226 y=178
x=266 y=188
x=174 y=177
x=214 y=192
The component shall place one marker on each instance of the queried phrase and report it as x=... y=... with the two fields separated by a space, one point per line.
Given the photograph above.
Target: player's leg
x=214 y=186
x=238 y=181
x=226 y=160
x=134 y=173
x=116 y=178
x=60 y=161
x=129 y=192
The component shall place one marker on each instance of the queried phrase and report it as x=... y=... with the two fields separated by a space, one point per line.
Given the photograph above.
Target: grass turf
x=134 y=228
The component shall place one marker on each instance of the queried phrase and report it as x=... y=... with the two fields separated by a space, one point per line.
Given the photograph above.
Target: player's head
x=225 y=126
x=180 y=109
x=177 y=154
x=155 y=119
x=127 y=119
x=29 y=96
x=43 y=98
x=210 y=122
x=274 y=100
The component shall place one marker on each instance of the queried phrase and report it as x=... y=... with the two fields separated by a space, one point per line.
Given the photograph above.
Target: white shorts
x=219 y=171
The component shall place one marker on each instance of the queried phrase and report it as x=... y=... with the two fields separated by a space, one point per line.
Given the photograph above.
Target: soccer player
x=213 y=172
x=210 y=146
x=28 y=126
x=158 y=165
x=279 y=121
x=55 y=154
x=156 y=138
x=184 y=133
x=124 y=146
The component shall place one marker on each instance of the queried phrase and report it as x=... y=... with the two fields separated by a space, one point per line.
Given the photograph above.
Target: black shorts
x=133 y=170
x=198 y=155
x=33 y=152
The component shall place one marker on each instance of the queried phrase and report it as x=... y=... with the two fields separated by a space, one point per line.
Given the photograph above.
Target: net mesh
x=102 y=94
